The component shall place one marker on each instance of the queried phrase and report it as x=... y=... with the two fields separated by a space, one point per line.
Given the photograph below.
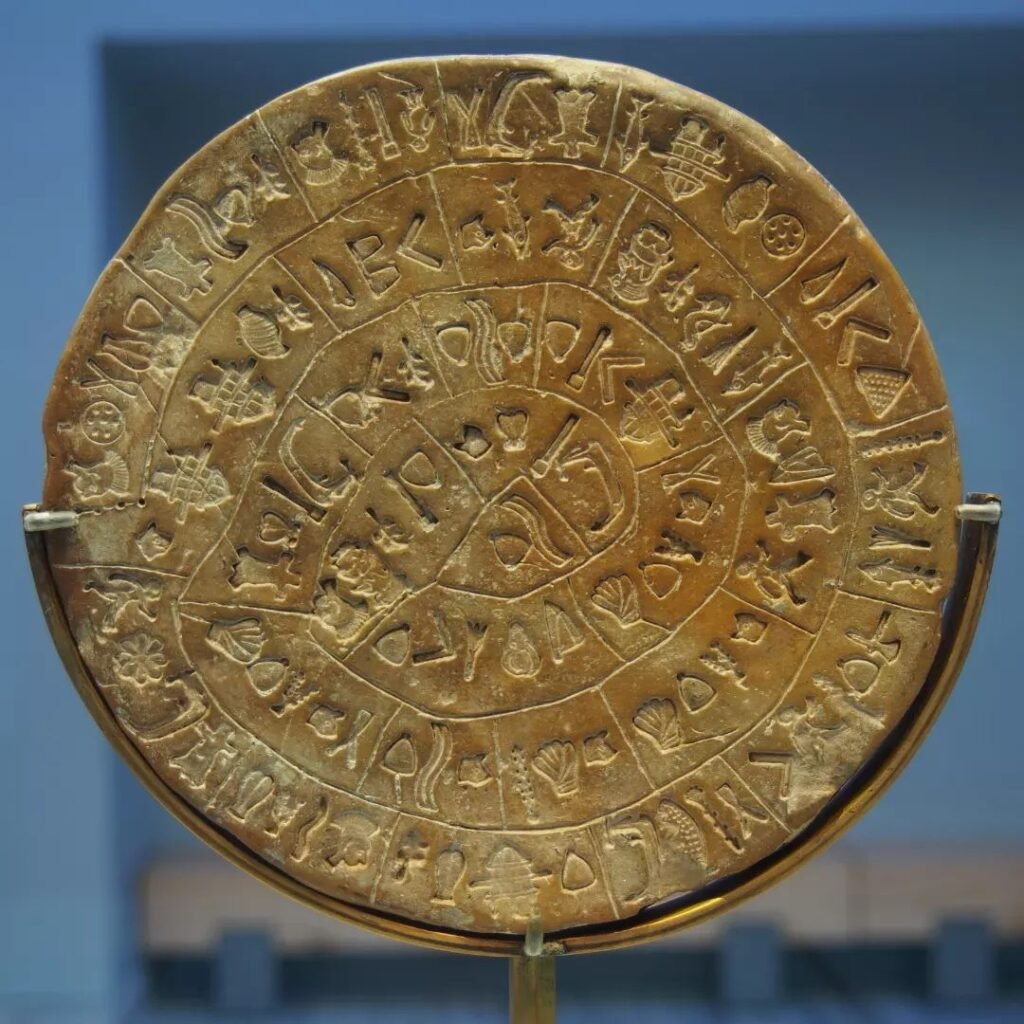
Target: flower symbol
x=140 y=660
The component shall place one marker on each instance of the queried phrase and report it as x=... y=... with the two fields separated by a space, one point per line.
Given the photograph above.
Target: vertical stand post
x=531 y=981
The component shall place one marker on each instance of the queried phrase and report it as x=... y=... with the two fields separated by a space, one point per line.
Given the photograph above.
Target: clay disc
x=509 y=487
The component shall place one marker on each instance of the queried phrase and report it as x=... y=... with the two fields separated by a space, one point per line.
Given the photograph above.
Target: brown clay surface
x=509 y=486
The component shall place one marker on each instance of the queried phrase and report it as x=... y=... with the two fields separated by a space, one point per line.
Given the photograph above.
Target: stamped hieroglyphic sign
x=509 y=487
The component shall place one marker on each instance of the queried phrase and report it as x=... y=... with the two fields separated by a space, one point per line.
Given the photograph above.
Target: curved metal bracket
x=532 y=965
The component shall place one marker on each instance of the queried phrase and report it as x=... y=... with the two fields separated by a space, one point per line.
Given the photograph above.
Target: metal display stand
x=531 y=981
x=532 y=970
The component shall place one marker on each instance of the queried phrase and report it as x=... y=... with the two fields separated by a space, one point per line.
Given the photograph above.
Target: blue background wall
x=912 y=110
